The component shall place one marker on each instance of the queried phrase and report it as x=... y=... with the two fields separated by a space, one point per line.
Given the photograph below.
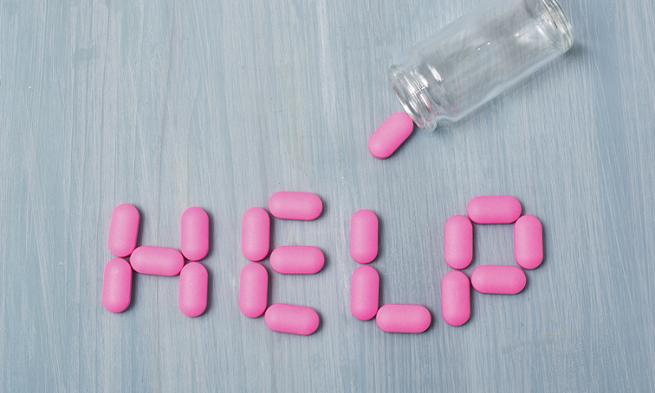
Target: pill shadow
x=210 y=252
x=269 y=289
x=134 y=294
x=271 y=236
x=381 y=247
x=320 y=325
x=473 y=301
x=544 y=237
x=142 y=219
x=381 y=293
x=210 y=291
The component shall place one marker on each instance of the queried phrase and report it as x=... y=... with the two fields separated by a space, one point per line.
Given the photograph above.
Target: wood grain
x=170 y=104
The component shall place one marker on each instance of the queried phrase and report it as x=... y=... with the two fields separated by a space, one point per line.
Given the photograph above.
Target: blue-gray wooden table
x=170 y=104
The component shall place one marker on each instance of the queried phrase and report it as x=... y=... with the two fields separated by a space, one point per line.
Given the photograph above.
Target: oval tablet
x=364 y=227
x=124 y=230
x=253 y=290
x=117 y=285
x=158 y=261
x=528 y=242
x=192 y=297
x=390 y=135
x=194 y=233
x=365 y=293
x=256 y=234
x=498 y=280
x=494 y=210
x=456 y=298
x=305 y=206
x=285 y=318
x=458 y=242
x=297 y=260
x=403 y=318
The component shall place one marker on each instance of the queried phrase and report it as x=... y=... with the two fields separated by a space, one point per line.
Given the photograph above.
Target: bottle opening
x=414 y=98
x=555 y=18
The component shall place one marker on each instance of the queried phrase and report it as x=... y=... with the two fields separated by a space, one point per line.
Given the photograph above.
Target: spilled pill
x=123 y=230
x=305 y=206
x=494 y=210
x=158 y=261
x=117 y=285
x=456 y=298
x=253 y=290
x=458 y=242
x=192 y=297
x=297 y=260
x=498 y=280
x=285 y=318
x=528 y=242
x=256 y=234
x=390 y=135
x=365 y=293
x=403 y=318
x=194 y=233
x=364 y=227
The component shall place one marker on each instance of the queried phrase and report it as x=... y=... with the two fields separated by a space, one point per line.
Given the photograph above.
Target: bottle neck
x=414 y=95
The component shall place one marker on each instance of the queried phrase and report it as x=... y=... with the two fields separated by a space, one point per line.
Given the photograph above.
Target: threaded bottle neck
x=413 y=94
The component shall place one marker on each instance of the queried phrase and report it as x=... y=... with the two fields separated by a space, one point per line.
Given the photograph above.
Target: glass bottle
x=479 y=56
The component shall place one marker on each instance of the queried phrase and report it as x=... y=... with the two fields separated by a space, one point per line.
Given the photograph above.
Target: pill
x=117 y=285
x=297 y=260
x=123 y=230
x=158 y=261
x=494 y=210
x=194 y=233
x=364 y=227
x=305 y=206
x=192 y=297
x=456 y=298
x=403 y=318
x=256 y=234
x=528 y=242
x=498 y=280
x=365 y=293
x=285 y=318
x=458 y=242
x=390 y=135
x=253 y=290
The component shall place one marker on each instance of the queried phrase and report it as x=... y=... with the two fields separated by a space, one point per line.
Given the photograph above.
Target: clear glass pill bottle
x=479 y=56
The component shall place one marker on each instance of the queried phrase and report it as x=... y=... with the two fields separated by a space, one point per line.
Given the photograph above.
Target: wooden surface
x=171 y=104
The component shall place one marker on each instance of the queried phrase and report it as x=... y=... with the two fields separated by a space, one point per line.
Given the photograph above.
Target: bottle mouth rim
x=560 y=21
x=414 y=99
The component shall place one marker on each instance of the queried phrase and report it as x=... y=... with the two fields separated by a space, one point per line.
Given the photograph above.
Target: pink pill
x=528 y=242
x=124 y=230
x=297 y=260
x=194 y=233
x=192 y=297
x=158 y=261
x=456 y=298
x=253 y=290
x=285 y=318
x=365 y=293
x=498 y=280
x=403 y=318
x=305 y=206
x=494 y=210
x=390 y=135
x=458 y=242
x=256 y=234
x=364 y=227
x=117 y=285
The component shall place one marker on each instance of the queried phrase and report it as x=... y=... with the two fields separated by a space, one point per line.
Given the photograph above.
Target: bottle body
x=479 y=56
